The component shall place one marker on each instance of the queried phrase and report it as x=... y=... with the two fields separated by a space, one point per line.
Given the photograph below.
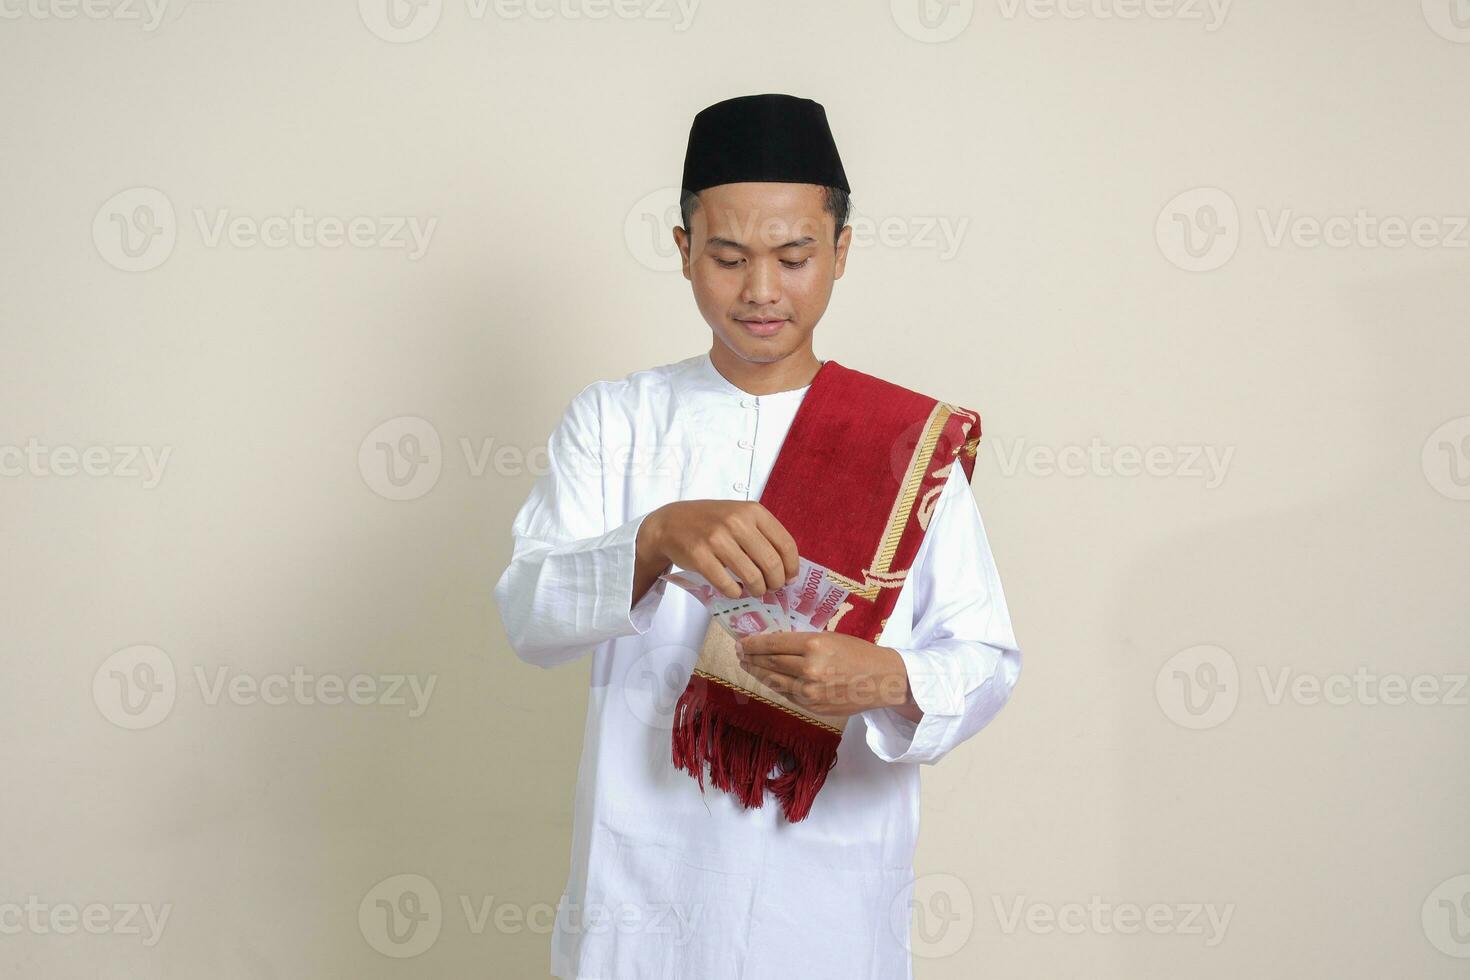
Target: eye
x=727 y=263
x=795 y=265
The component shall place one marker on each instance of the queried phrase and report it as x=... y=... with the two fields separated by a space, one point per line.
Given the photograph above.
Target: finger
x=780 y=641
x=804 y=693
x=764 y=554
x=781 y=540
x=710 y=566
x=780 y=663
x=730 y=552
x=780 y=683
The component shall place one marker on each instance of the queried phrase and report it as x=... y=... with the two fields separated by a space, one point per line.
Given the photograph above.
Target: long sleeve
x=569 y=584
x=962 y=659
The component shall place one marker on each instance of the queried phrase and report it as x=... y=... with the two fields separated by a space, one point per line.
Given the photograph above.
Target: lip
x=762 y=328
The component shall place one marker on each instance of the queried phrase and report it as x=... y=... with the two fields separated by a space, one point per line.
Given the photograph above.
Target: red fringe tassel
x=741 y=738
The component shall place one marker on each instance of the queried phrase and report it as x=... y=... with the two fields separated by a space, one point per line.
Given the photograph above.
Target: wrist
x=896 y=691
x=648 y=545
x=900 y=693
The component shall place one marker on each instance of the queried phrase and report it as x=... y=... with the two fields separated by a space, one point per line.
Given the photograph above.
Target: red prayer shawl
x=855 y=483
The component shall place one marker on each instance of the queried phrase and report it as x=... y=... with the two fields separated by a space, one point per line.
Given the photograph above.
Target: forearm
x=559 y=601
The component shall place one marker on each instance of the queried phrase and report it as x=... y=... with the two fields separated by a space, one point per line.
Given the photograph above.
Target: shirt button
x=742 y=487
x=747 y=403
x=745 y=444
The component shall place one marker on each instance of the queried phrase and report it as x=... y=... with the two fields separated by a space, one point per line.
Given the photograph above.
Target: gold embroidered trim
x=918 y=468
x=878 y=576
x=795 y=714
x=851 y=585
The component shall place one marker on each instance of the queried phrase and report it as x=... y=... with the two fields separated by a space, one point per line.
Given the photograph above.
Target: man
x=667 y=468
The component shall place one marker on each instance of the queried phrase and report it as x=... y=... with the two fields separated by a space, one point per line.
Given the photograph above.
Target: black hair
x=836 y=202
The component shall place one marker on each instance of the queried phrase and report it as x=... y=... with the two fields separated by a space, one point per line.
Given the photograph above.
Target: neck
x=795 y=370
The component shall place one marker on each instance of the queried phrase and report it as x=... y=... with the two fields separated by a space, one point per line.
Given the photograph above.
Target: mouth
x=762 y=326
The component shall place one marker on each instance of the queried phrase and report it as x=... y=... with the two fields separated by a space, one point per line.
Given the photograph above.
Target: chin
x=758 y=352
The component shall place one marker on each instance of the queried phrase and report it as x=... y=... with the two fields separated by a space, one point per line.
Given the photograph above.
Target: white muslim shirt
x=667 y=883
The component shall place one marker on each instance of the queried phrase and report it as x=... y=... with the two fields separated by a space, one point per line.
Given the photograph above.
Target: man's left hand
x=829 y=673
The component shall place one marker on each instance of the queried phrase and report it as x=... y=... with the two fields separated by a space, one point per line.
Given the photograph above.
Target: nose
x=762 y=284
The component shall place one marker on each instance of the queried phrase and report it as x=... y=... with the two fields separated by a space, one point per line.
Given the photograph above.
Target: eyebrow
x=716 y=241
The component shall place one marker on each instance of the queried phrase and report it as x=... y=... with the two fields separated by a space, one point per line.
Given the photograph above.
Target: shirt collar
x=702 y=376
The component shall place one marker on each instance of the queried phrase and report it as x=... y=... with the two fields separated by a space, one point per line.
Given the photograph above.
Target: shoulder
x=950 y=429
x=885 y=390
x=626 y=395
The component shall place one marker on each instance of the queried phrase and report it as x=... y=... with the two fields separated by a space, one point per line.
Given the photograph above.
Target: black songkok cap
x=762 y=138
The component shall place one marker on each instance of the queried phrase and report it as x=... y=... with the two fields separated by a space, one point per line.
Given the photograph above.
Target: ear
x=844 y=239
x=681 y=240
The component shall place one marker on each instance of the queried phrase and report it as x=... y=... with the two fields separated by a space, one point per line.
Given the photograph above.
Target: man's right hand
x=708 y=536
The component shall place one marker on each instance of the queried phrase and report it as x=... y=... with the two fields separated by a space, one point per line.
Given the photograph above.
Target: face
x=762 y=260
